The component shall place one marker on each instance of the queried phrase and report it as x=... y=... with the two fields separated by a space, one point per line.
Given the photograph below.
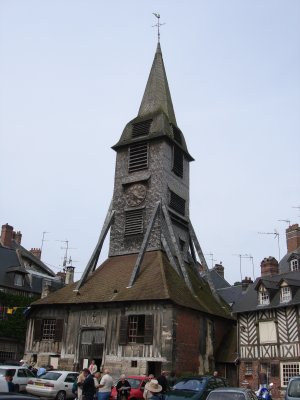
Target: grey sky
x=72 y=74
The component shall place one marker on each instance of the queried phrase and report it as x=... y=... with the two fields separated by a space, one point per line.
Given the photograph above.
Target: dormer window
x=285 y=294
x=19 y=280
x=294 y=265
x=263 y=296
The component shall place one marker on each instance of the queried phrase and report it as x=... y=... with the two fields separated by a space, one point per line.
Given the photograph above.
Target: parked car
x=229 y=393
x=53 y=384
x=195 y=387
x=293 y=389
x=3 y=385
x=137 y=384
x=21 y=375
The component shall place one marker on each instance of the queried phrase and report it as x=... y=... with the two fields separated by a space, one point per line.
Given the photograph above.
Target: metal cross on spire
x=158 y=25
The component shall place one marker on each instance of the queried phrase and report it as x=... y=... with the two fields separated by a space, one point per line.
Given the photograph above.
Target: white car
x=21 y=376
x=53 y=384
x=3 y=385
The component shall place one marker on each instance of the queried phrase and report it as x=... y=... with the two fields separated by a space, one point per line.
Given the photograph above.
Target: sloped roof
x=284 y=265
x=157 y=280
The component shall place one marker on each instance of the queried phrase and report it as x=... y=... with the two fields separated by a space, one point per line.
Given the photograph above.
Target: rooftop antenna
x=212 y=258
x=241 y=256
x=43 y=239
x=66 y=252
x=285 y=220
x=276 y=235
x=158 y=25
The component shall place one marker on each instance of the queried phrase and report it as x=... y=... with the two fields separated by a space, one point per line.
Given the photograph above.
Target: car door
x=21 y=379
x=211 y=385
x=68 y=383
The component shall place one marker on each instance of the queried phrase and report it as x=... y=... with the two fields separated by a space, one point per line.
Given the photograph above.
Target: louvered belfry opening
x=133 y=222
x=141 y=128
x=138 y=156
x=177 y=203
x=178 y=161
x=176 y=134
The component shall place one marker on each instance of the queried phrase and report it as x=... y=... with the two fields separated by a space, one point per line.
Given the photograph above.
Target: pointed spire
x=157 y=95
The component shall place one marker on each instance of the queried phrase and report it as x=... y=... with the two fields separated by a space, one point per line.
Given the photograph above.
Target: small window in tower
x=176 y=134
x=141 y=128
x=177 y=203
x=178 y=161
x=138 y=157
x=134 y=222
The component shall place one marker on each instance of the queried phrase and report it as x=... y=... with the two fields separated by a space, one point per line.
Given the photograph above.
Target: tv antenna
x=285 y=220
x=242 y=256
x=66 y=248
x=156 y=15
x=211 y=258
x=276 y=235
x=43 y=239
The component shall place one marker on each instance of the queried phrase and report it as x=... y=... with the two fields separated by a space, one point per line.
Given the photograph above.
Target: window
x=288 y=370
x=133 y=364
x=248 y=368
x=48 y=329
x=136 y=329
x=19 y=280
x=177 y=161
x=263 y=296
x=177 y=203
x=176 y=134
x=294 y=265
x=285 y=294
x=138 y=157
x=267 y=332
x=141 y=128
x=133 y=222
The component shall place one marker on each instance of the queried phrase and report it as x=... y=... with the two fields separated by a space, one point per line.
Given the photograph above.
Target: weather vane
x=158 y=25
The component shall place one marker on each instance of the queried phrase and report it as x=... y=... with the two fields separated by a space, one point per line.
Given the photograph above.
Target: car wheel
x=17 y=388
x=61 y=395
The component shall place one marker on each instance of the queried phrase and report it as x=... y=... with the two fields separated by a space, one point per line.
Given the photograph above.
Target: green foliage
x=14 y=326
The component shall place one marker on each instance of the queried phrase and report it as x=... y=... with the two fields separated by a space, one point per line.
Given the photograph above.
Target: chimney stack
x=6 y=235
x=69 y=274
x=293 y=238
x=36 y=252
x=269 y=266
x=246 y=282
x=219 y=269
x=17 y=236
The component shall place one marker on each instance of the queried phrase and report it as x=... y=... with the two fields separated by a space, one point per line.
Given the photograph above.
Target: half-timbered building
x=147 y=307
x=268 y=316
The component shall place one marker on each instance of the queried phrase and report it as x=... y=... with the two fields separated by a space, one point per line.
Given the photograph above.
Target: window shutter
x=178 y=161
x=148 y=329
x=59 y=330
x=141 y=128
x=123 y=330
x=177 y=203
x=37 y=330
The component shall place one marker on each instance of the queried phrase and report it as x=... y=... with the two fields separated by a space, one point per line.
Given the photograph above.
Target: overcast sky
x=72 y=74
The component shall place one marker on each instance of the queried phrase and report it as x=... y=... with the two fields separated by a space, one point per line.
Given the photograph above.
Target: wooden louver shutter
x=123 y=330
x=59 y=330
x=148 y=339
x=37 y=330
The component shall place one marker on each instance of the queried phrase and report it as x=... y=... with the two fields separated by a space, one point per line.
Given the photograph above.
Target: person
x=216 y=374
x=88 y=385
x=105 y=386
x=10 y=384
x=80 y=380
x=162 y=380
x=146 y=392
x=154 y=390
x=41 y=371
x=123 y=388
x=24 y=363
x=172 y=379
x=93 y=367
x=97 y=379
x=262 y=377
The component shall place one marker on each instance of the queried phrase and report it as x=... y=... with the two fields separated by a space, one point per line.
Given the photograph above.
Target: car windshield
x=190 y=384
x=51 y=376
x=9 y=371
x=226 y=396
x=134 y=383
x=294 y=388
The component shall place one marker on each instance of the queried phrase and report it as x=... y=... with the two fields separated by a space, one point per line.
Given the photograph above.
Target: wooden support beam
x=169 y=253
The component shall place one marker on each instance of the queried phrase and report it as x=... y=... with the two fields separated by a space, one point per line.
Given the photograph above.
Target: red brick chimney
x=36 y=252
x=17 y=236
x=246 y=282
x=269 y=266
x=219 y=269
x=6 y=235
x=293 y=238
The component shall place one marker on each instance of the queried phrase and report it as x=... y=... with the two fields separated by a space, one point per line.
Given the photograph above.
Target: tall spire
x=157 y=95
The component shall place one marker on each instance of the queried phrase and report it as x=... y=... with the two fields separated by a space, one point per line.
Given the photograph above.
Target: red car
x=137 y=384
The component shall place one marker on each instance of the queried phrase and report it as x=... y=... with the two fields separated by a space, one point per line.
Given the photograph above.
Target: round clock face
x=135 y=194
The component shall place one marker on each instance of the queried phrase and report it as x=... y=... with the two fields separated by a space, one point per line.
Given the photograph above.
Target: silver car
x=21 y=376
x=293 y=389
x=229 y=393
x=53 y=384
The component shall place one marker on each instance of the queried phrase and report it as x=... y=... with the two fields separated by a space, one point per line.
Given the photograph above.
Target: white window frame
x=18 y=280
x=287 y=370
x=285 y=294
x=263 y=296
x=267 y=332
x=248 y=368
x=294 y=264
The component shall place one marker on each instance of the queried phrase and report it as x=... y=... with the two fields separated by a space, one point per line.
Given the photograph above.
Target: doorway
x=154 y=368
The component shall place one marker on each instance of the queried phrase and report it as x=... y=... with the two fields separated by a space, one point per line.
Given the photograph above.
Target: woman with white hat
x=153 y=390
